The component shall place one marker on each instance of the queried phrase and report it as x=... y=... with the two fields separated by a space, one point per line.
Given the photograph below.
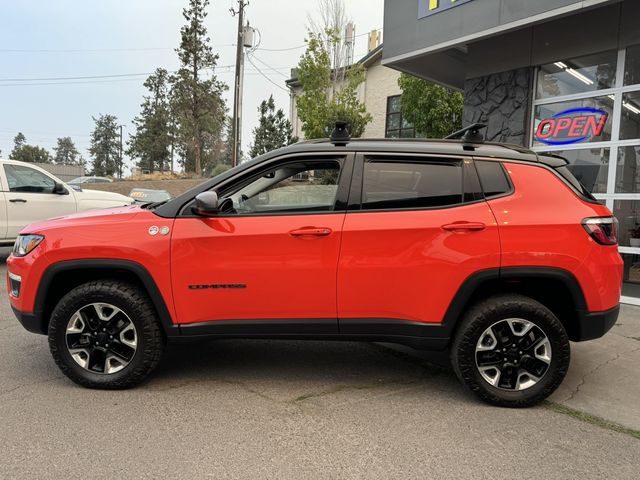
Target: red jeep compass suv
x=491 y=251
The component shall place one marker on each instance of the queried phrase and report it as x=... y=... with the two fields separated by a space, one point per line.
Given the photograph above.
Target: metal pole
x=120 y=160
x=237 y=100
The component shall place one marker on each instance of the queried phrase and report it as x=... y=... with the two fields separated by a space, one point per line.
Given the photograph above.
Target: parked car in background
x=85 y=180
x=146 y=195
x=31 y=194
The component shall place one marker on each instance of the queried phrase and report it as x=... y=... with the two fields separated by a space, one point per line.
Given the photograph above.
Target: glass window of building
x=607 y=163
x=397 y=126
x=584 y=74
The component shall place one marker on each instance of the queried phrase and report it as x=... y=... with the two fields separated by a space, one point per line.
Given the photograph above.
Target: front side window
x=28 y=180
x=301 y=187
x=400 y=185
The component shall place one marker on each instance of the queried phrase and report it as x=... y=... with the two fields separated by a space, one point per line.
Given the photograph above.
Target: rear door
x=417 y=227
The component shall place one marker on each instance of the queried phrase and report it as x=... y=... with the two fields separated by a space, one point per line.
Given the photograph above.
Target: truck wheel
x=104 y=334
x=511 y=351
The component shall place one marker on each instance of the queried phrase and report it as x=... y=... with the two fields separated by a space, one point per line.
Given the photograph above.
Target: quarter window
x=28 y=180
x=399 y=185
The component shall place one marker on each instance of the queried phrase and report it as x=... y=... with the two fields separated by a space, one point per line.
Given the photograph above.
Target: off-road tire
x=486 y=313
x=136 y=304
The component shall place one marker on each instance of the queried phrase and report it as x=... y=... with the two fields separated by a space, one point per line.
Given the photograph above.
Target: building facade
x=559 y=76
x=380 y=94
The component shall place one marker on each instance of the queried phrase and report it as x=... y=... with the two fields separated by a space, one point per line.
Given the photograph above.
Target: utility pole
x=120 y=158
x=237 y=97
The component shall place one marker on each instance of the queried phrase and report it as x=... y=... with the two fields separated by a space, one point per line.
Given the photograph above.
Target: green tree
x=323 y=102
x=151 y=143
x=197 y=102
x=274 y=130
x=105 y=146
x=66 y=152
x=434 y=111
x=24 y=152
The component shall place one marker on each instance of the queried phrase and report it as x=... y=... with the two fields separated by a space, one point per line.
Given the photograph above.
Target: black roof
x=380 y=146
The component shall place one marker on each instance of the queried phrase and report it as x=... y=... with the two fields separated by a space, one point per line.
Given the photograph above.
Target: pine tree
x=151 y=143
x=274 y=130
x=66 y=152
x=24 y=152
x=105 y=146
x=197 y=102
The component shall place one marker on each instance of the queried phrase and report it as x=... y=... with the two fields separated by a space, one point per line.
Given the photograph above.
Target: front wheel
x=104 y=334
x=511 y=351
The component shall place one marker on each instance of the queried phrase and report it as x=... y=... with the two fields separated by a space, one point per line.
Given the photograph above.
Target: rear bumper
x=30 y=322
x=594 y=325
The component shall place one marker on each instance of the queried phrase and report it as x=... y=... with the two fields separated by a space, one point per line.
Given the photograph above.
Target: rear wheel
x=511 y=351
x=104 y=334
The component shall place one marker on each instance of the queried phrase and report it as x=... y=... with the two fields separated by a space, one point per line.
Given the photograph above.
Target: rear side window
x=400 y=185
x=493 y=178
x=575 y=183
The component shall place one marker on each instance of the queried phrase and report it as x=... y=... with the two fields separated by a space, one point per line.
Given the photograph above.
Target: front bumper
x=30 y=321
x=594 y=325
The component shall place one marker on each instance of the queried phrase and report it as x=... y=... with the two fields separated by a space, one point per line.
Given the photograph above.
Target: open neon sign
x=572 y=126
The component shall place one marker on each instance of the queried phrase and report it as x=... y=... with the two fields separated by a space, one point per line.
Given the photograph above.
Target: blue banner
x=431 y=7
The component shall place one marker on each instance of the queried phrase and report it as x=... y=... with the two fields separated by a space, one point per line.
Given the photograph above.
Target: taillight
x=603 y=230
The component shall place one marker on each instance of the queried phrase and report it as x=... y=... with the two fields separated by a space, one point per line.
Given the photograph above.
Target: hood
x=89 y=217
x=101 y=195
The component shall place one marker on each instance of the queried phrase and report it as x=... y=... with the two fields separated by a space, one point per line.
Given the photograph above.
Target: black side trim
x=413 y=334
x=100 y=264
x=594 y=325
x=268 y=327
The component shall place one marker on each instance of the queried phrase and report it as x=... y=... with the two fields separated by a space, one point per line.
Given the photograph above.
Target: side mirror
x=59 y=189
x=206 y=204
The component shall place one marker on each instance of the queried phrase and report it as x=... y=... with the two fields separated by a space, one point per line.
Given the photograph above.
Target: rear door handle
x=464 y=227
x=311 y=232
x=18 y=200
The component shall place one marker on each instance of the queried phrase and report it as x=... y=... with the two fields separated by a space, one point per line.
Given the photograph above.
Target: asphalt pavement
x=289 y=409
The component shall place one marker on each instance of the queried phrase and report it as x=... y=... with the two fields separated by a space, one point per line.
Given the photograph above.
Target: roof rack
x=470 y=134
x=340 y=136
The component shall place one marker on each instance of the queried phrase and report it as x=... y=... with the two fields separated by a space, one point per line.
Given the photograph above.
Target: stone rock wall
x=501 y=101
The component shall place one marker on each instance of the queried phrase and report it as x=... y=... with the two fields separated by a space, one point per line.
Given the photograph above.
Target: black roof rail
x=470 y=134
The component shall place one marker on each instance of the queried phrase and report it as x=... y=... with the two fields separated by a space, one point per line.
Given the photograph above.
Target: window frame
x=356 y=194
x=345 y=159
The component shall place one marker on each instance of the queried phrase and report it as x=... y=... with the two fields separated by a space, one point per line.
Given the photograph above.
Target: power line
x=265 y=76
x=270 y=67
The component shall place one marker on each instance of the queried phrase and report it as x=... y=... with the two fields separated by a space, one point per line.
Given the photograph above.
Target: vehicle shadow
x=290 y=369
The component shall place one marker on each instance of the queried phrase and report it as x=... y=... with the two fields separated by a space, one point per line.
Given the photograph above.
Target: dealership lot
x=256 y=409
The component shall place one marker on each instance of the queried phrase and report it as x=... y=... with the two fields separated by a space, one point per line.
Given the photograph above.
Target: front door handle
x=464 y=227
x=18 y=200
x=311 y=232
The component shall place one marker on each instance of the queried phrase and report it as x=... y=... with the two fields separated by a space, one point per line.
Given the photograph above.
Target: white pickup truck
x=30 y=194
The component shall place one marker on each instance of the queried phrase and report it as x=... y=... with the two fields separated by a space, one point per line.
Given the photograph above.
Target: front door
x=421 y=228
x=270 y=256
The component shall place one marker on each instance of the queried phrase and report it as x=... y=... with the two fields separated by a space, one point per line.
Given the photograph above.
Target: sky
x=42 y=41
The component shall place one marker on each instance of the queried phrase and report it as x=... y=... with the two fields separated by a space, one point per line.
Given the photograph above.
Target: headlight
x=25 y=244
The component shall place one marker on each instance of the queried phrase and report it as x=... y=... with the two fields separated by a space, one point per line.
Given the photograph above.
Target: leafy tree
x=435 y=111
x=105 y=146
x=66 y=152
x=151 y=143
x=274 y=130
x=197 y=102
x=28 y=153
x=323 y=102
